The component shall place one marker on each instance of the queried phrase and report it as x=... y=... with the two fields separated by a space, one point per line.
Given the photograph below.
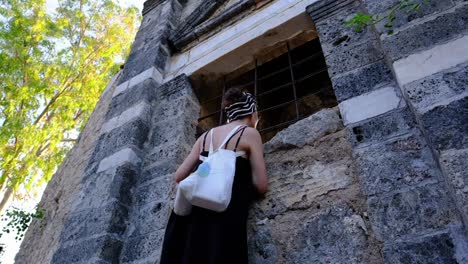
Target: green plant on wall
x=361 y=20
x=19 y=220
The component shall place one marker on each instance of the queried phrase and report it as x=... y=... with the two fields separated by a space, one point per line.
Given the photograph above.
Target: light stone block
x=369 y=105
x=141 y=109
x=152 y=73
x=118 y=158
x=439 y=58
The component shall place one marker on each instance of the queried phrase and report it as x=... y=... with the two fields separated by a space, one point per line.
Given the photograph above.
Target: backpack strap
x=227 y=143
x=204 y=139
x=228 y=136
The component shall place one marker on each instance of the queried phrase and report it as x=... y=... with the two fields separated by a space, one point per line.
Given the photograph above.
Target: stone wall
x=315 y=211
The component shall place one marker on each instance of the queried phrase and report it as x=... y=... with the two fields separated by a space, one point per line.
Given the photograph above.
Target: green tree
x=53 y=68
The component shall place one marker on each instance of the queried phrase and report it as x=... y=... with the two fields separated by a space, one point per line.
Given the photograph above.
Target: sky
x=12 y=246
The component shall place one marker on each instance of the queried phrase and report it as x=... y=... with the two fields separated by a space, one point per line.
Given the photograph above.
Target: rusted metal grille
x=288 y=88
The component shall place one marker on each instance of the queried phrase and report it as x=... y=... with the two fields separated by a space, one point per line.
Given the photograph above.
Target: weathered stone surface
x=105 y=248
x=169 y=152
x=395 y=165
x=167 y=109
x=298 y=176
x=108 y=219
x=422 y=36
x=362 y=80
x=427 y=7
x=165 y=131
x=306 y=131
x=150 y=217
x=100 y=188
x=159 y=189
x=144 y=91
x=447 y=125
x=381 y=128
x=159 y=169
x=432 y=249
x=345 y=59
x=333 y=235
x=133 y=133
x=142 y=247
x=411 y=212
x=333 y=34
x=427 y=92
x=455 y=164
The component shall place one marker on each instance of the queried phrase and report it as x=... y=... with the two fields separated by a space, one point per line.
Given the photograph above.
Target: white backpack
x=210 y=186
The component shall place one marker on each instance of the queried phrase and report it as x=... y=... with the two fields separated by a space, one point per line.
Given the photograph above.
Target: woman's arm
x=257 y=160
x=189 y=163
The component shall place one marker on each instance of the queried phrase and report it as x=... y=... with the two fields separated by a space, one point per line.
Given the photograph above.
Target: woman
x=209 y=237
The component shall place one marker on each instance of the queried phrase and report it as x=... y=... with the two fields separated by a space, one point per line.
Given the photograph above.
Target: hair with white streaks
x=241 y=109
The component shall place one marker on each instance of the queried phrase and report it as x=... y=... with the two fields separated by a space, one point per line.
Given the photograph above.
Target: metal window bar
x=256 y=80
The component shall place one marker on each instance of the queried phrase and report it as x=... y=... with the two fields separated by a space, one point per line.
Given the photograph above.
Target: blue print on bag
x=203 y=169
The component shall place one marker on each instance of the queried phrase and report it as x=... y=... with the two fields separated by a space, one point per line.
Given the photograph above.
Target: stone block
x=150 y=217
x=455 y=164
x=175 y=88
x=306 y=131
x=182 y=127
x=106 y=248
x=142 y=111
x=333 y=33
x=425 y=93
x=362 y=80
x=159 y=169
x=100 y=188
x=144 y=91
x=371 y=104
x=444 y=27
x=133 y=133
x=447 y=125
x=382 y=8
x=170 y=152
x=344 y=59
x=380 y=128
x=124 y=156
x=411 y=212
x=108 y=219
x=141 y=247
x=403 y=162
x=166 y=109
x=431 y=249
x=157 y=190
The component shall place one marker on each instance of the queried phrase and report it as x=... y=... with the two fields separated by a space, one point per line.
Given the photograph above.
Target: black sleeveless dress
x=209 y=237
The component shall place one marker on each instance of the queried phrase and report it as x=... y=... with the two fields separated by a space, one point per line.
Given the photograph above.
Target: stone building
x=366 y=134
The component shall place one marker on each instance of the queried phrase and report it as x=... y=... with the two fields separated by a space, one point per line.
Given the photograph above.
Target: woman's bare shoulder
x=252 y=133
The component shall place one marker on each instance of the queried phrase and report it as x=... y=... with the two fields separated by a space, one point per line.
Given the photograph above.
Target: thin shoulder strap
x=229 y=136
x=204 y=139
x=239 y=130
x=238 y=139
x=211 y=142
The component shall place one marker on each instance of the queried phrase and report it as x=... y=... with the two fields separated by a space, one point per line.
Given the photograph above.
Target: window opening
x=288 y=88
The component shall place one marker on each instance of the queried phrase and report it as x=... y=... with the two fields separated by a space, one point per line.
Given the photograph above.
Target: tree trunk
x=5 y=200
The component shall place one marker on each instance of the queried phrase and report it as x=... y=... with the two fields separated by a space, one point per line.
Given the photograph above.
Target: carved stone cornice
x=150 y=5
x=196 y=24
x=323 y=9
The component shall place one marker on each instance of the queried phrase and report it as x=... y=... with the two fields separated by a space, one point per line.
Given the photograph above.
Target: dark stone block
x=335 y=235
x=391 y=166
x=167 y=109
x=109 y=219
x=170 y=152
x=411 y=212
x=144 y=91
x=345 y=59
x=141 y=247
x=175 y=88
x=133 y=133
x=182 y=127
x=363 y=80
x=447 y=125
x=327 y=8
x=455 y=165
x=104 y=247
x=380 y=128
x=425 y=35
x=436 y=88
x=158 y=190
x=160 y=169
x=382 y=7
x=433 y=249
x=102 y=187
x=150 y=217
